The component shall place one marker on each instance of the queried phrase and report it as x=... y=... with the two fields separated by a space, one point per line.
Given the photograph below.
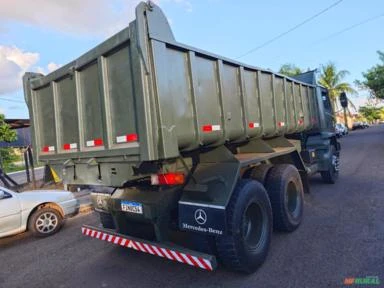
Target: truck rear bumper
x=171 y=252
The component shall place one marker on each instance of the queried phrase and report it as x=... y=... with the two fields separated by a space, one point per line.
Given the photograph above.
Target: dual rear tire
x=254 y=211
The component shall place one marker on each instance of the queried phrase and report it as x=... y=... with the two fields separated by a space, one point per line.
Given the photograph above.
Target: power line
x=349 y=28
x=340 y=32
x=291 y=29
x=11 y=100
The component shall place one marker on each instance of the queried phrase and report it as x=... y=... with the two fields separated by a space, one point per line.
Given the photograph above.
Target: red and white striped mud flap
x=174 y=253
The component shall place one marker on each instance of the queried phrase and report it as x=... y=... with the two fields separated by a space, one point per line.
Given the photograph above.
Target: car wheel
x=45 y=222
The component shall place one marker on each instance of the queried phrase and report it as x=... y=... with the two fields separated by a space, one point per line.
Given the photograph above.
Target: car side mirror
x=2 y=194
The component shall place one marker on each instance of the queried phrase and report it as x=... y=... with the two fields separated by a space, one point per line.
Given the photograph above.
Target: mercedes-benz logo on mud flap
x=200 y=216
x=100 y=202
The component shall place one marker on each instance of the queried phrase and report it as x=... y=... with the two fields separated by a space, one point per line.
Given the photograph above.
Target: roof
x=17 y=123
x=23 y=139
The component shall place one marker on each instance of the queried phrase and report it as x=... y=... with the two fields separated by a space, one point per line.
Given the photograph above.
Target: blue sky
x=41 y=39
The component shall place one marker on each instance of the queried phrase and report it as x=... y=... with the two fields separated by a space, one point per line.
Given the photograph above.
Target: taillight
x=168 y=179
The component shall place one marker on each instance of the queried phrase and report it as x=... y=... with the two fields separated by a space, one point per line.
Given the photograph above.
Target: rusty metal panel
x=232 y=102
x=280 y=98
x=267 y=108
x=44 y=117
x=120 y=100
x=67 y=120
x=208 y=106
x=252 y=103
x=290 y=104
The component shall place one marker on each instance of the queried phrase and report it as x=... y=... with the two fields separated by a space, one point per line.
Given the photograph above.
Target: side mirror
x=2 y=194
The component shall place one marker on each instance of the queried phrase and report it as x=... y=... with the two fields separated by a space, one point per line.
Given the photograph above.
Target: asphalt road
x=342 y=236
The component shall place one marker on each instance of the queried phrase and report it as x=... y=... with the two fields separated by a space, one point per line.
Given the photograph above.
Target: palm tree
x=332 y=79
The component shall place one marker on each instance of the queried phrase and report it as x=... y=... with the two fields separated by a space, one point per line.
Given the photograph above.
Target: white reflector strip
x=73 y=146
x=216 y=127
x=174 y=254
x=152 y=249
x=254 y=125
x=166 y=254
x=90 y=143
x=48 y=149
x=121 y=139
x=186 y=259
x=158 y=253
x=198 y=262
x=149 y=249
x=207 y=263
x=140 y=247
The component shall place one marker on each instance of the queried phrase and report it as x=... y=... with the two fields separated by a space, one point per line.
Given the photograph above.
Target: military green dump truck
x=197 y=157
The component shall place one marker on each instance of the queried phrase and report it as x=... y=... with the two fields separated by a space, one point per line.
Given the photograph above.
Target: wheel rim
x=293 y=200
x=335 y=163
x=254 y=226
x=46 y=222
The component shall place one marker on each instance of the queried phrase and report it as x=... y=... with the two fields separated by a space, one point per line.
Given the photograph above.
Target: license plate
x=131 y=207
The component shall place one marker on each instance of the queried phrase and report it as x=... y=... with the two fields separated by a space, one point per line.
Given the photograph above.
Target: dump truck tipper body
x=142 y=112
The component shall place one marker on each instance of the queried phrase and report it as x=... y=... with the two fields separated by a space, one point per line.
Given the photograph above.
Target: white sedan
x=41 y=212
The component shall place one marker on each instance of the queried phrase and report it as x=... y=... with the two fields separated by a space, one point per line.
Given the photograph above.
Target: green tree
x=290 y=70
x=374 y=79
x=6 y=135
x=371 y=113
x=332 y=79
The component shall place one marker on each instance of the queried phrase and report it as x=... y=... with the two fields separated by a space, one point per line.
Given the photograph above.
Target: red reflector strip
x=253 y=125
x=95 y=142
x=281 y=124
x=48 y=149
x=210 y=128
x=127 y=138
x=149 y=248
x=168 y=179
x=300 y=122
x=70 y=146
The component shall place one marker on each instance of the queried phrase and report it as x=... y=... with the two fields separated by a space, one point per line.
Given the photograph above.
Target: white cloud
x=13 y=64
x=85 y=17
x=50 y=68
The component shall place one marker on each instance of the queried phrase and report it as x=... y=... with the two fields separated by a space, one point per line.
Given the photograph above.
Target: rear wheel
x=286 y=193
x=246 y=245
x=258 y=173
x=332 y=174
